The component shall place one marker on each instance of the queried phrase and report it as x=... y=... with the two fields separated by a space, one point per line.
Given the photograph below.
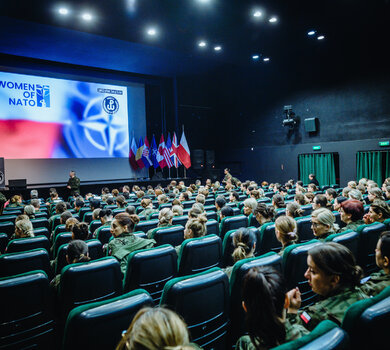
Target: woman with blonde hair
x=323 y=223
x=23 y=229
x=177 y=210
x=148 y=211
x=165 y=217
x=375 y=193
x=286 y=231
x=155 y=329
x=195 y=227
x=250 y=204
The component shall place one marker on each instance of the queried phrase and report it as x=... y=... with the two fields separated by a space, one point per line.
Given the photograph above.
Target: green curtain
x=322 y=165
x=369 y=165
x=387 y=165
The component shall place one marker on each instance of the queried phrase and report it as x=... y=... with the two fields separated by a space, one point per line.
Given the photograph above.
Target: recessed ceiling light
x=151 y=31
x=257 y=13
x=255 y=57
x=218 y=48
x=321 y=37
x=86 y=16
x=63 y=11
x=312 y=32
x=202 y=43
x=273 y=20
x=266 y=59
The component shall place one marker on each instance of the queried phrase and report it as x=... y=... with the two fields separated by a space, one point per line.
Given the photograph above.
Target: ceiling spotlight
x=273 y=20
x=257 y=14
x=255 y=57
x=86 y=16
x=312 y=32
x=151 y=31
x=217 y=48
x=203 y=1
x=266 y=59
x=321 y=37
x=202 y=44
x=63 y=11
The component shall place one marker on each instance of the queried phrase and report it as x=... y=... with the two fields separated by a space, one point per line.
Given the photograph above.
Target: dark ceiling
x=352 y=28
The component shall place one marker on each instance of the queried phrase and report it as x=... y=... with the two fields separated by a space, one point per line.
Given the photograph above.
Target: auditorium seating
x=42 y=231
x=173 y=235
x=305 y=233
x=231 y=223
x=348 y=238
x=180 y=220
x=3 y=242
x=266 y=240
x=203 y=302
x=150 y=269
x=40 y=222
x=100 y=325
x=104 y=234
x=212 y=227
x=7 y=227
x=146 y=225
x=199 y=254
x=24 y=244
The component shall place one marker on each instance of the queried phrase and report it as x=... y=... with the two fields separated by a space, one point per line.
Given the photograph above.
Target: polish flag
x=183 y=152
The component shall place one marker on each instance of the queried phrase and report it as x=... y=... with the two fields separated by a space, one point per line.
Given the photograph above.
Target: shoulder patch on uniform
x=305 y=317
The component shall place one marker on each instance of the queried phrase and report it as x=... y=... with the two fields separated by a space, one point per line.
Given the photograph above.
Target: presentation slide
x=42 y=117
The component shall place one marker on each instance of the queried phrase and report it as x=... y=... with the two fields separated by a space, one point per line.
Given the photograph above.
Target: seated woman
x=293 y=210
x=23 y=228
x=177 y=210
x=351 y=213
x=265 y=301
x=379 y=212
x=355 y=194
x=286 y=232
x=319 y=201
x=333 y=274
x=337 y=202
x=250 y=204
x=300 y=199
x=106 y=217
x=309 y=197
x=380 y=280
x=162 y=199
x=374 y=194
x=164 y=220
x=121 y=201
x=77 y=252
x=244 y=243
x=194 y=228
x=29 y=210
x=264 y=213
x=80 y=231
x=15 y=201
x=278 y=201
x=124 y=241
x=234 y=197
x=323 y=223
x=155 y=329
x=148 y=211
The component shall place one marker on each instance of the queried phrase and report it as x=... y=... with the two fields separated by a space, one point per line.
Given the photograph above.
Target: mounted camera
x=290 y=120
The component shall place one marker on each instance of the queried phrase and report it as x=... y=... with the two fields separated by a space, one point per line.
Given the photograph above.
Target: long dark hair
x=264 y=292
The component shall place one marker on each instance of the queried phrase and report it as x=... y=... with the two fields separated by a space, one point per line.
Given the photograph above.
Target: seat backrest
x=26 y=320
x=280 y=212
x=233 y=222
x=87 y=217
x=150 y=269
x=7 y=227
x=294 y=268
x=199 y=254
x=84 y=283
x=21 y=262
x=305 y=233
x=212 y=227
x=211 y=215
x=42 y=231
x=104 y=234
x=94 y=225
x=307 y=209
x=188 y=204
x=4 y=218
x=240 y=268
x=210 y=208
x=338 y=218
x=62 y=238
x=29 y=243
x=266 y=240
x=327 y=335
x=3 y=242
x=348 y=238
x=180 y=220
x=252 y=221
x=146 y=225
x=173 y=235
x=100 y=325
x=369 y=235
x=203 y=302
x=367 y=321
x=40 y=222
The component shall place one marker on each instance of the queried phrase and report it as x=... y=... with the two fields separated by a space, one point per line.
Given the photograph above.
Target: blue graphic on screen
x=44 y=117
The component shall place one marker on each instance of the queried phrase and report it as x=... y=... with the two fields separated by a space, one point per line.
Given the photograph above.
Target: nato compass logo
x=43 y=95
x=110 y=105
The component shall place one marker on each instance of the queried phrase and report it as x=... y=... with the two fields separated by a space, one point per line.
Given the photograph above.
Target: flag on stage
x=146 y=154
x=138 y=155
x=160 y=153
x=183 y=152
x=173 y=151
x=133 y=151
x=154 y=153
x=167 y=152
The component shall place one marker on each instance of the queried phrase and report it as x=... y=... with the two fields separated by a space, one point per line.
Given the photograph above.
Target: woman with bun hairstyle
x=195 y=227
x=332 y=273
x=156 y=329
x=125 y=241
x=149 y=210
x=286 y=231
x=106 y=217
x=264 y=213
x=323 y=223
x=293 y=210
x=265 y=302
x=164 y=220
x=80 y=231
x=244 y=243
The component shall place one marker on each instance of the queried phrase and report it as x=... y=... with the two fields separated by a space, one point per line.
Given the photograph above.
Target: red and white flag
x=132 y=153
x=160 y=153
x=183 y=152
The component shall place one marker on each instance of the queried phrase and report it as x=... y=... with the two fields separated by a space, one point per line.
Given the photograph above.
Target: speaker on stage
x=210 y=158
x=197 y=159
x=2 y=174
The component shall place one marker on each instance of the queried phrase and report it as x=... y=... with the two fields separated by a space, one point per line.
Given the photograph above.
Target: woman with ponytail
x=294 y=210
x=106 y=217
x=286 y=231
x=195 y=227
x=125 y=241
x=244 y=243
x=265 y=301
x=332 y=273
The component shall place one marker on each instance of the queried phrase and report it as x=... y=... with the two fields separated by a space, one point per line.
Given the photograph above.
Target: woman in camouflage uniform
x=351 y=213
